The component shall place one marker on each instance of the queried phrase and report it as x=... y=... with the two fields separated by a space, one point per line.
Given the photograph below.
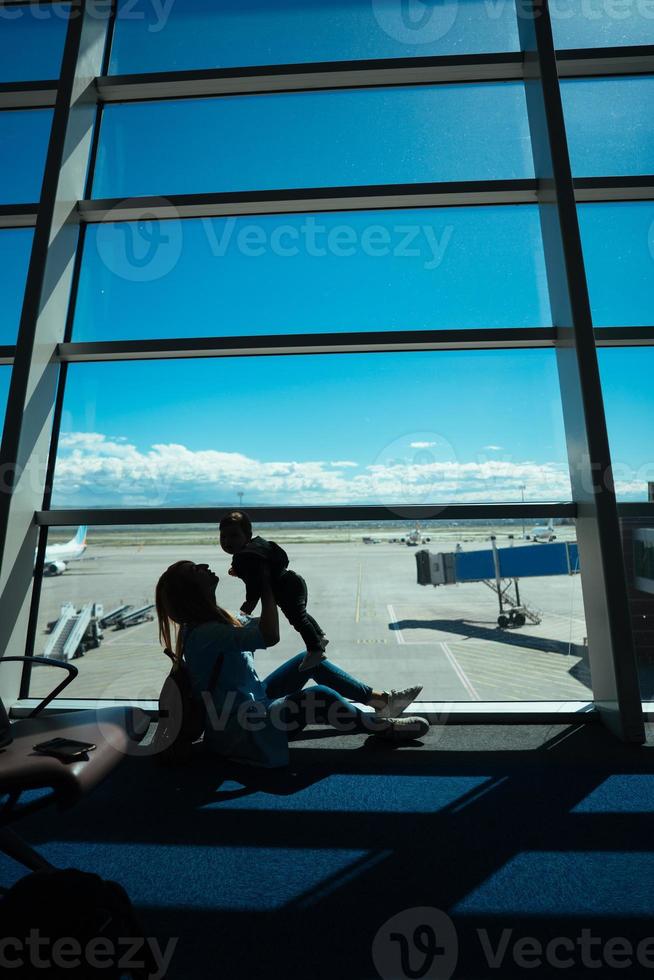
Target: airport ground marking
x=398 y=632
x=357 y=611
x=460 y=672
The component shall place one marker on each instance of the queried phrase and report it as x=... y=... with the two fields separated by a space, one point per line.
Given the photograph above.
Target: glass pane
x=638 y=545
x=24 y=138
x=605 y=23
x=15 y=247
x=610 y=125
x=618 y=243
x=419 y=427
x=32 y=41
x=313 y=139
x=229 y=33
x=383 y=627
x=373 y=270
x=627 y=387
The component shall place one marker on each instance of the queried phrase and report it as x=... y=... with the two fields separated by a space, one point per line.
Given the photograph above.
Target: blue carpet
x=295 y=874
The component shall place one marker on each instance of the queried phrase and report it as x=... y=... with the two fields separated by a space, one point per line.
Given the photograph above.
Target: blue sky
x=347 y=428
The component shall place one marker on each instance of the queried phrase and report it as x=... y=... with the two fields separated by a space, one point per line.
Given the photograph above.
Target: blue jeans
x=324 y=703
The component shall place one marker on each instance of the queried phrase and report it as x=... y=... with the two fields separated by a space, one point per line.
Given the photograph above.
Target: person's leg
x=289 y=678
x=291 y=595
x=322 y=705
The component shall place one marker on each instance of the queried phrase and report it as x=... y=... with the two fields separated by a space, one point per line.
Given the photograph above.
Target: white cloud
x=93 y=469
x=494 y=448
x=422 y=445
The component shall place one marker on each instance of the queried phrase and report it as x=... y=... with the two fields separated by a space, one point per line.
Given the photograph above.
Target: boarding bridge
x=500 y=569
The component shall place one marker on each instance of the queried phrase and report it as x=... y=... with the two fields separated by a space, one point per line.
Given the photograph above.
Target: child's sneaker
x=312 y=659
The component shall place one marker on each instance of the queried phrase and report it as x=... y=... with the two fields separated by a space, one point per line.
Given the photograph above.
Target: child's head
x=235 y=532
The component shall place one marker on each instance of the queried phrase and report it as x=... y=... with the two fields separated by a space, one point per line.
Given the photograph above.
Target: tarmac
x=383 y=627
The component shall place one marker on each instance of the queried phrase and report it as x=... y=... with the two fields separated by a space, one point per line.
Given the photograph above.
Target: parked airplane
x=57 y=556
x=543 y=532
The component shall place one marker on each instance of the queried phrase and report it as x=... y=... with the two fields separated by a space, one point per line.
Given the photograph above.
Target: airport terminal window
x=627 y=387
x=609 y=124
x=428 y=133
x=601 y=24
x=231 y=33
x=618 y=244
x=364 y=592
x=24 y=138
x=32 y=41
x=345 y=271
x=15 y=246
x=391 y=428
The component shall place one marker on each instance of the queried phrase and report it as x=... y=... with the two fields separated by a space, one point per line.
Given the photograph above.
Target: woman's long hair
x=180 y=603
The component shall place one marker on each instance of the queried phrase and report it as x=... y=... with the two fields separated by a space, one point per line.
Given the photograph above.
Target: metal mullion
x=636 y=59
x=624 y=336
x=370 y=73
x=319 y=343
x=383 y=197
x=18 y=215
x=28 y=95
x=61 y=386
x=611 y=649
x=33 y=388
x=111 y=516
x=310 y=199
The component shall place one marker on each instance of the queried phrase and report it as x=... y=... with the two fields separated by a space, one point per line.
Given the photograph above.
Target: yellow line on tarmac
x=357 y=611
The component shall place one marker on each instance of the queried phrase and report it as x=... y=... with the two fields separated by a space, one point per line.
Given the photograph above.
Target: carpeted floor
x=520 y=835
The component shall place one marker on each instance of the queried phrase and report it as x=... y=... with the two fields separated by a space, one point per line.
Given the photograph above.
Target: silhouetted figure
x=289 y=588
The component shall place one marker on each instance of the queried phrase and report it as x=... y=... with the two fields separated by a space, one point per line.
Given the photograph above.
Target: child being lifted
x=289 y=588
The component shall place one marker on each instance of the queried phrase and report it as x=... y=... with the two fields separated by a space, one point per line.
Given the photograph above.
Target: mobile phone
x=65 y=748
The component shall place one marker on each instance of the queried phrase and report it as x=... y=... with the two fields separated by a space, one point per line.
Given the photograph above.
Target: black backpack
x=182 y=715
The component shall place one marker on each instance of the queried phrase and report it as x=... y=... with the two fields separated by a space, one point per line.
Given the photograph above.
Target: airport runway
x=382 y=626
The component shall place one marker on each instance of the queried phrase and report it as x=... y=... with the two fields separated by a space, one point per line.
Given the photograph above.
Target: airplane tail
x=80 y=537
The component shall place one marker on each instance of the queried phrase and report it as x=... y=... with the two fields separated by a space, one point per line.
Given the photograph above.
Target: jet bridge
x=500 y=569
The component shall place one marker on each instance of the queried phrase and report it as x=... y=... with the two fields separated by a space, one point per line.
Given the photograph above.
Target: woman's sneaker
x=397 y=701
x=404 y=729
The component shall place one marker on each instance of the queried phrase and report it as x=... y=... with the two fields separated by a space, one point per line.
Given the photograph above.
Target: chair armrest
x=72 y=674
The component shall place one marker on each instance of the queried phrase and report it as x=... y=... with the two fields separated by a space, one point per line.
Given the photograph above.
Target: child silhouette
x=289 y=588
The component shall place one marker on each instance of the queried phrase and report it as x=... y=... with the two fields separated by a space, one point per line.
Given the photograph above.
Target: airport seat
x=30 y=781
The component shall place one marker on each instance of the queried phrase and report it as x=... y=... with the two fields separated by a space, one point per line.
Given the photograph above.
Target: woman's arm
x=269 y=619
